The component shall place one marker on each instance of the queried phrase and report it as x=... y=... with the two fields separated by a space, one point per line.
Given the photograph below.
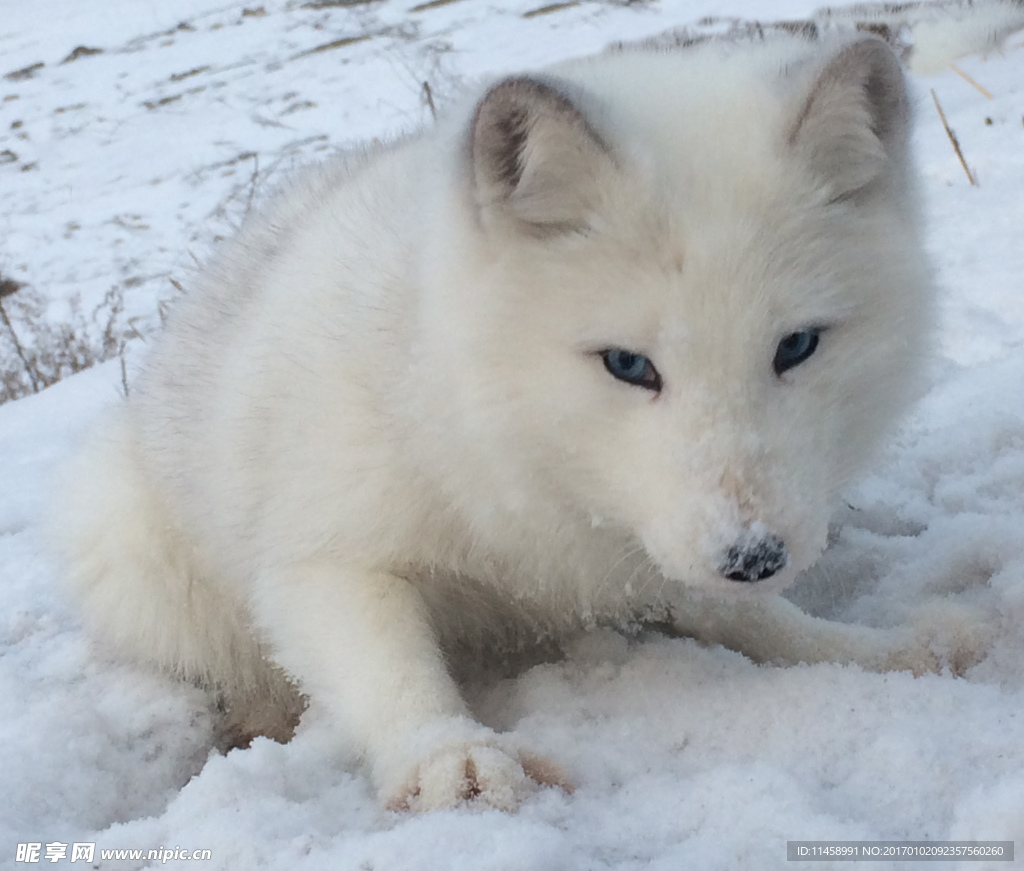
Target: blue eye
x=632 y=368
x=794 y=349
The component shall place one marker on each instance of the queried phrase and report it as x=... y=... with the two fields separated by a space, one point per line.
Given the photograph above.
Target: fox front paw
x=475 y=775
x=945 y=636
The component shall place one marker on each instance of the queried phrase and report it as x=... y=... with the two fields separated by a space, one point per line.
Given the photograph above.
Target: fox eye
x=632 y=368
x=794 y=349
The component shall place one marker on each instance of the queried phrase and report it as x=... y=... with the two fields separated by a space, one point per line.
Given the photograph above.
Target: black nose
x=754 y=559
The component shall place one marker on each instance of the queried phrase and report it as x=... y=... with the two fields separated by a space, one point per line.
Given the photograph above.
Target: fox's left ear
x=535 y=158
x=853 y=126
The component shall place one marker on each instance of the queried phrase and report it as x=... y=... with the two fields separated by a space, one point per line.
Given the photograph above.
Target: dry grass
x=35 y=352
x=953 y=140
x=985 y=92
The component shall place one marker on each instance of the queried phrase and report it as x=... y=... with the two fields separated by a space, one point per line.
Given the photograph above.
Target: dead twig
x=428 y=98
x=253 y=181
x=971 y=81
x=8 y=287
x=952 y=139
x=124 y=373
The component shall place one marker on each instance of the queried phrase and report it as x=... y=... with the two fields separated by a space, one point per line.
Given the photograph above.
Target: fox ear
x=853 y=126
x=535 y=157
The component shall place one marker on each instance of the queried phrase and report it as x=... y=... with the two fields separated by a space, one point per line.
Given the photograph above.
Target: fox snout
x=755 y=556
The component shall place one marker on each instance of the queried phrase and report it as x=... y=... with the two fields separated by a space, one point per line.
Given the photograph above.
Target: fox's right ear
x=535 y=158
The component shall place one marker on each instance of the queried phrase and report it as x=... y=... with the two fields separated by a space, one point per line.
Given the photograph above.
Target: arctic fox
x=599 y=347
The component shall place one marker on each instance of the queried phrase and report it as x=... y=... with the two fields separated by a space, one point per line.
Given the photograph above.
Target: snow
x=129 y=163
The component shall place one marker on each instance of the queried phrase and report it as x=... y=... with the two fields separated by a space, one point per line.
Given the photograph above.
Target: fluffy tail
x=144 y=598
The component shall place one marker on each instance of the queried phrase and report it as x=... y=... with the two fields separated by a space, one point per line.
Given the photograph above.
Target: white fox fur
x=381 y=427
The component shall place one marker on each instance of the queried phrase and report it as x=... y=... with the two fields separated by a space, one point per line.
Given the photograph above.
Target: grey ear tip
x=501 y=91
x=875 y=53
x=883 y=78
x=519 y=84
x=872 y=43
x=519 y=90
x=505 y=104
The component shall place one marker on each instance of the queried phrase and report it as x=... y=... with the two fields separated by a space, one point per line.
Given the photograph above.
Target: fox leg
x=773 y=629
x=361 y=644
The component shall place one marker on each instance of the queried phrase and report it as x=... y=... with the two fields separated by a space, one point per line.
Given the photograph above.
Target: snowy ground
x=117 y=168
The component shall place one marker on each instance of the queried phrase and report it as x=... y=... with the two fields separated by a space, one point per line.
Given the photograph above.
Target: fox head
x=687 y=296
